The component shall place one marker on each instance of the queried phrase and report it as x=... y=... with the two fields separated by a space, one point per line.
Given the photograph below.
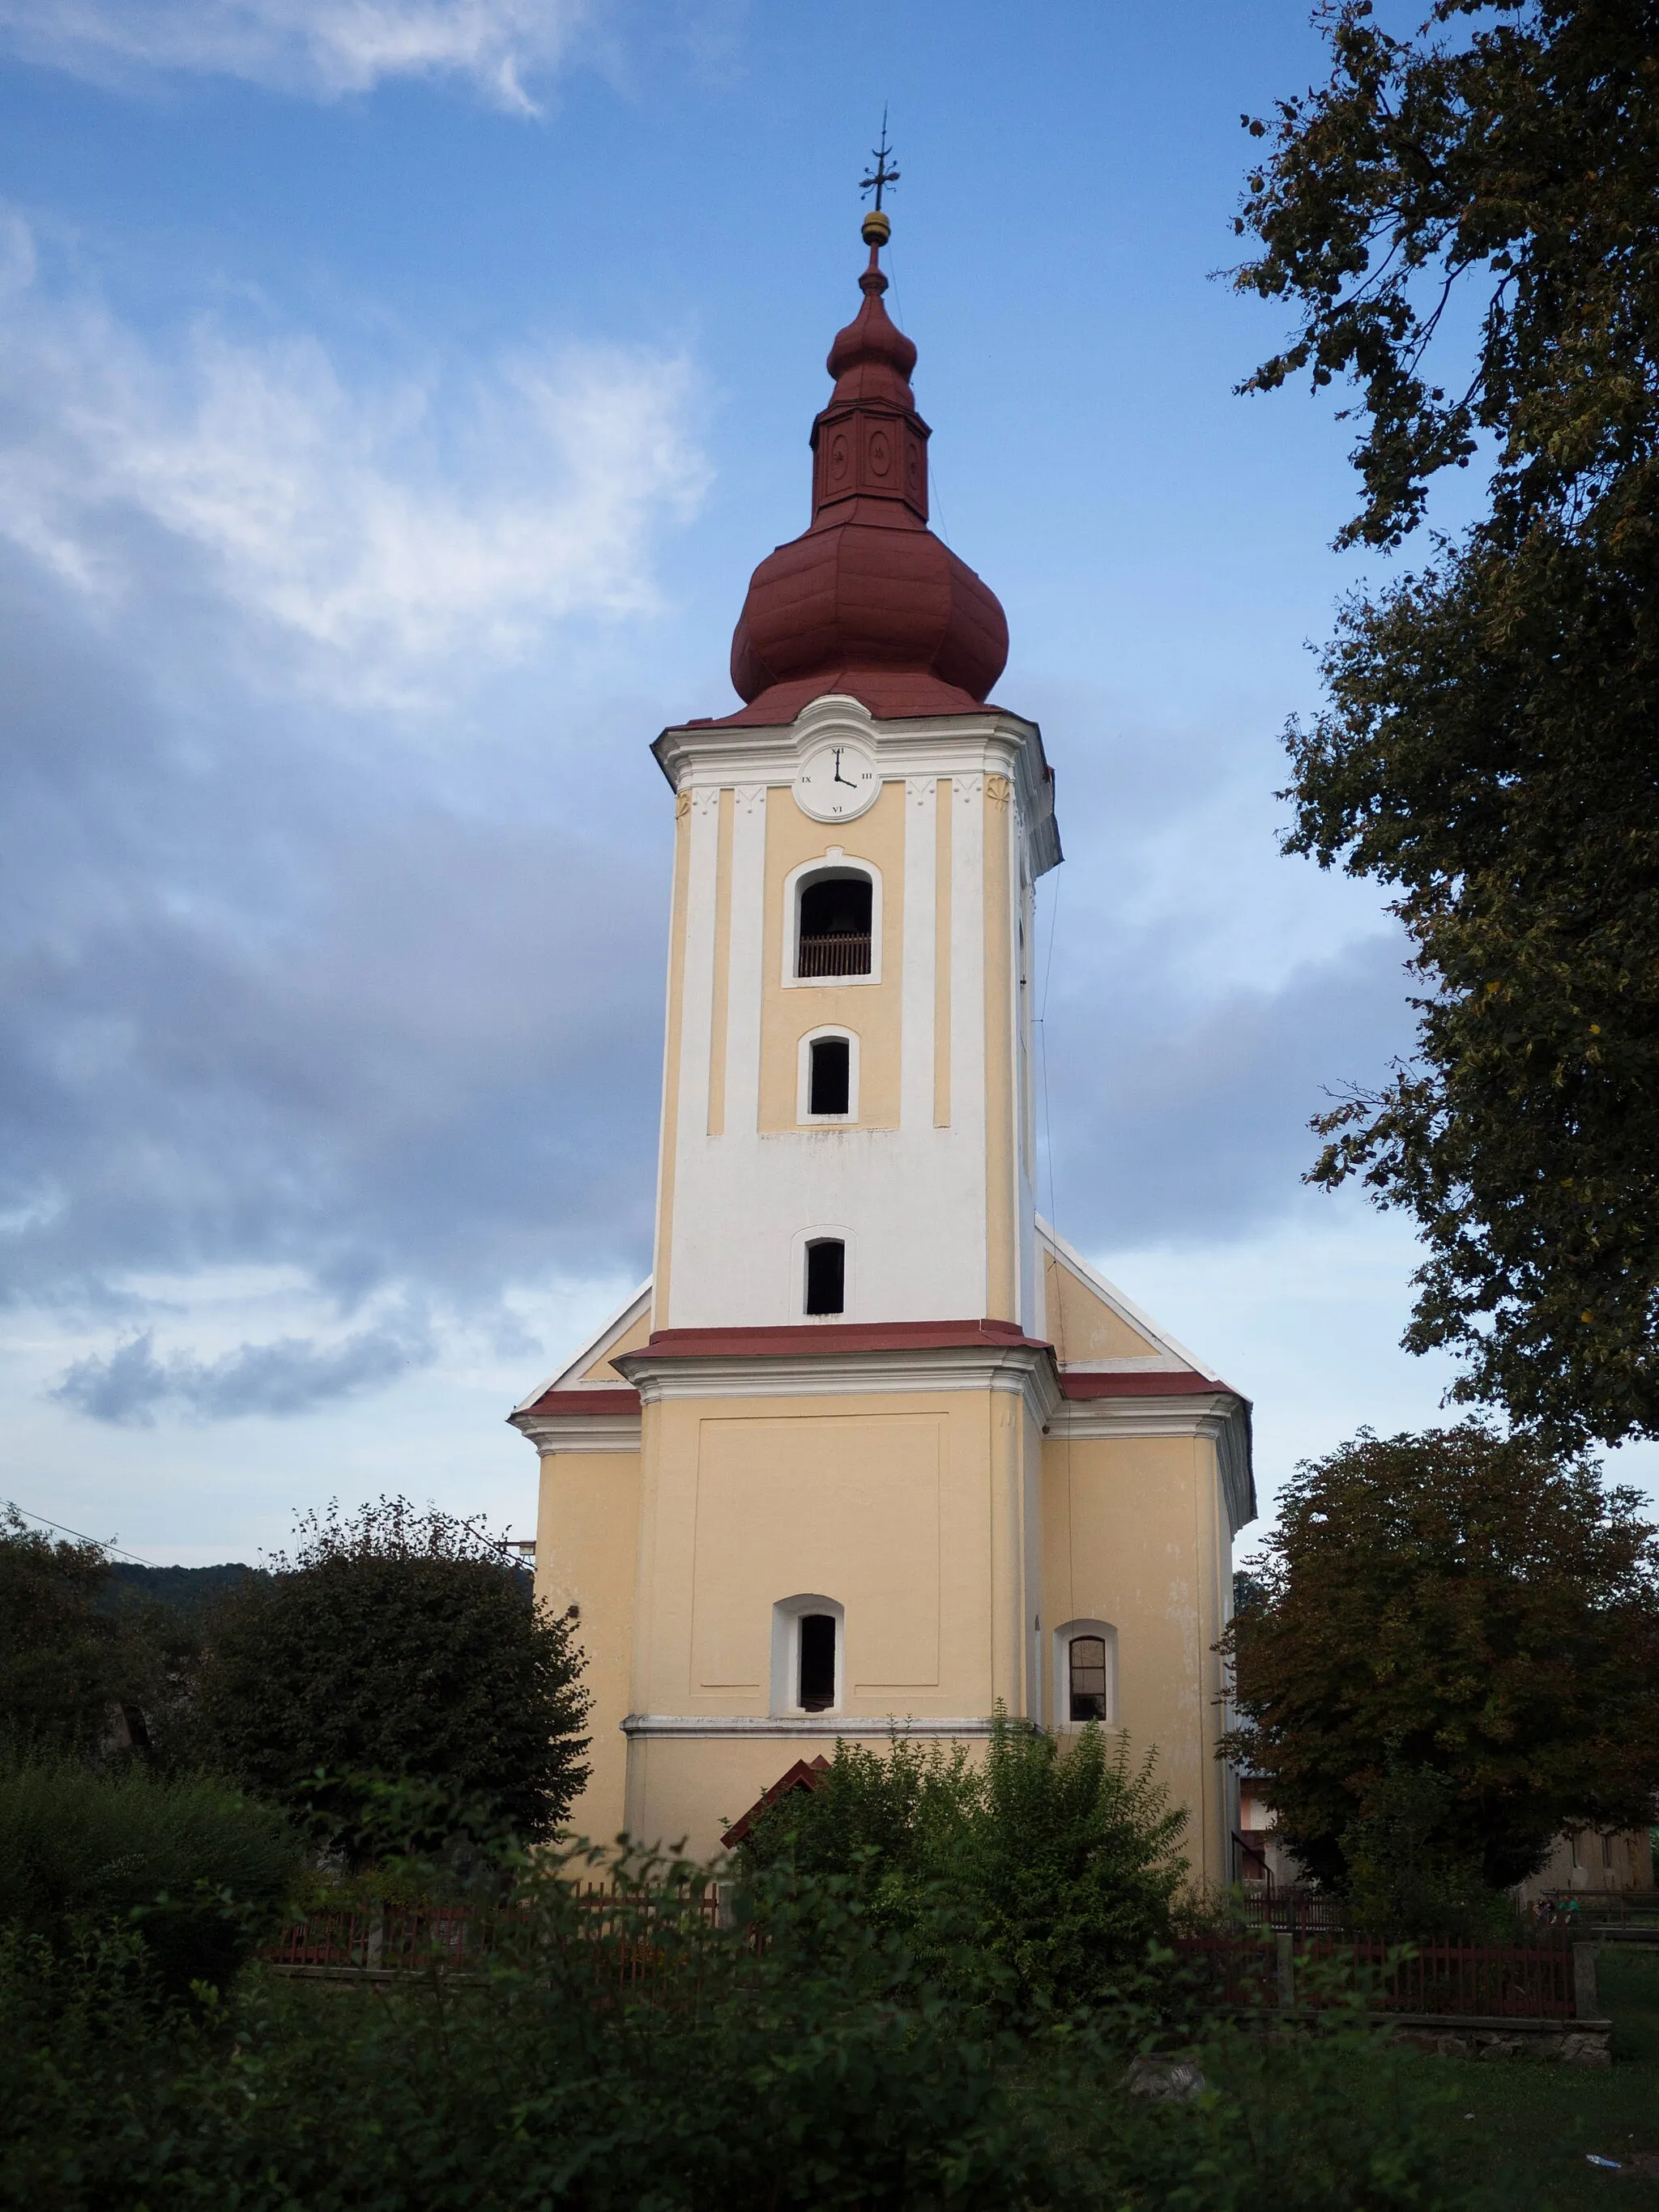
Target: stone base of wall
x=1449 y=2035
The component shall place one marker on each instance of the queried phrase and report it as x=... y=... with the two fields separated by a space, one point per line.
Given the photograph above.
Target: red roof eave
x=1178 y=1382
x=832 y=1337
x=585 y=1403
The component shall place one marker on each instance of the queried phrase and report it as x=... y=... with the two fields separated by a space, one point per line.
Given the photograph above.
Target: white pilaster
x=921 y=953
x=743 y=991
x=698 y=997
x=967 y=955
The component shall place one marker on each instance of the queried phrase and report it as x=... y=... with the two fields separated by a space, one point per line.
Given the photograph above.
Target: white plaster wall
x=912 y=1201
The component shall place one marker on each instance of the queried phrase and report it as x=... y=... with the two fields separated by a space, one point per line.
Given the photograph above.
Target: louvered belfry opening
x=835 y=926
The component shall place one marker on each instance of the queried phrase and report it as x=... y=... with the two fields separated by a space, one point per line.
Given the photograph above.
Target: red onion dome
x=868 y=601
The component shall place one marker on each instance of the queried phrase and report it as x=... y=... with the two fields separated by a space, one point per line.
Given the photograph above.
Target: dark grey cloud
x=1177 y=1123
x=270 y=993
x=1206 y=996
x=290 y=1376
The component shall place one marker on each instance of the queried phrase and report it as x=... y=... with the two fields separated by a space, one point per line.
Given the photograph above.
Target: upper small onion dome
x=868 y=601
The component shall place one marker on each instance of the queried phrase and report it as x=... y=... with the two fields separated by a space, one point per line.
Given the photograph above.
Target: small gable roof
x=805 y=1774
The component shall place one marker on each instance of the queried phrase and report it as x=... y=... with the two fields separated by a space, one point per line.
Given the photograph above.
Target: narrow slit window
x=826 y=1277
x=817 y=1661
x=830 y=1087
x=1088 y=1678
x=835 y=926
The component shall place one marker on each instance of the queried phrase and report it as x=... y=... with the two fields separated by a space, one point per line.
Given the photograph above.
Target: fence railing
x=639 y=1942
x=629 y=1937
x=1535 y=1981
x=1293 y=1912
x=844 y=954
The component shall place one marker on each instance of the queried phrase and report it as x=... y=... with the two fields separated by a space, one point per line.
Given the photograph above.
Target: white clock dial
x=836 y=781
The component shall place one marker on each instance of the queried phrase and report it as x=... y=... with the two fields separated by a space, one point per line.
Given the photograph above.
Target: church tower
x=873 y=1446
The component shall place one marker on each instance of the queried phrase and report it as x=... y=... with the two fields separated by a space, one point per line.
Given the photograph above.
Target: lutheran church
x=874 y=1447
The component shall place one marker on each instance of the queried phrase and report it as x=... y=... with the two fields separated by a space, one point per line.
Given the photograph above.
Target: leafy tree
x=1058 y=1864
x=1489 y=186
x=395 y=1646
x=1460 y=1607
x=65 y=1666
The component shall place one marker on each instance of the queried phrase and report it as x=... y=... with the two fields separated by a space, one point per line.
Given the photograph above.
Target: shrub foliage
x=809 y=2068
x=1054 y=1867
x=192 y=1869
x=395 y=1644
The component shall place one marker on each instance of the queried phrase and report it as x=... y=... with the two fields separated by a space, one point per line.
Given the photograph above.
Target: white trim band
x=1021 y=1368
x=579 y=1432
x=825 y=1728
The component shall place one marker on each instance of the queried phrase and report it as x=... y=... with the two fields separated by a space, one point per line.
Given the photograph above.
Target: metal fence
x=631 y=1938
x=1536 y=1981
x=1293 y=1912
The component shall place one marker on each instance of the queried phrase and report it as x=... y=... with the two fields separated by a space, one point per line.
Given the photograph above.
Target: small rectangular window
x=1088 y=1678
x=817 y=1661
x=831 y=1085
x=826 y=1277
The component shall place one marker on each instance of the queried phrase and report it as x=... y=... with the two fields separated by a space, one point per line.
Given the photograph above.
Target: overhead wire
x=80 y=1535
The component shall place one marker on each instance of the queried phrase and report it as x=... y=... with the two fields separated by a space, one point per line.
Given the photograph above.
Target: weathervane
x=881 y=175
x=876 y=226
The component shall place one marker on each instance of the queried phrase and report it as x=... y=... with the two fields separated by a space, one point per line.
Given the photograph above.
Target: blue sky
x=394 y=396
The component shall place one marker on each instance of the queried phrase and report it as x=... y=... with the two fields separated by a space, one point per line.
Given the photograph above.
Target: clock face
x=836 y=782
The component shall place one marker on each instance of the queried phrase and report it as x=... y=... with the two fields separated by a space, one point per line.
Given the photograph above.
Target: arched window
x=1086 y=1674
x=826 y=1276
x=833 y=931
x=829 y=1079
x=1086 y=1678
x=808 y=1660
x=816 y=1667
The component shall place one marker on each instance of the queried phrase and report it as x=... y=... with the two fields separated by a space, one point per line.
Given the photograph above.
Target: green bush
x=1048 y=1871
x=813 y=2071
x=195 y=1869
x=393 y=1645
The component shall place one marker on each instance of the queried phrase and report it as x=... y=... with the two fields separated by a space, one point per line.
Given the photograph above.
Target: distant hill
x=189 y=1590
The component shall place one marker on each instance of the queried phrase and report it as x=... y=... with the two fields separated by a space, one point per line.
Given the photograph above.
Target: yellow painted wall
x=871 y=1010
x=1081 y=1326
x=903 y=1510
x=633 y=1339
x=1134 y=1534
x=587 y=1554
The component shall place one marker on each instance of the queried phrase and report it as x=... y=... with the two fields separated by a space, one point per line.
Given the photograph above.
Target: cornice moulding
x=579 y=1432
x=993 y=742
x=1020 y=1369
x=823 y=1728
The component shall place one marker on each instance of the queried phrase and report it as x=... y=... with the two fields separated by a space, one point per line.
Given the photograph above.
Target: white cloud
x=383 y=523
x=324 y=48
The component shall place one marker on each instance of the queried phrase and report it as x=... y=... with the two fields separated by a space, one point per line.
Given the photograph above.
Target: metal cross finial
x=881 y=175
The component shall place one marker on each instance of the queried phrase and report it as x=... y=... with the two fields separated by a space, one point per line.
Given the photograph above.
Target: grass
x=1538 y=2120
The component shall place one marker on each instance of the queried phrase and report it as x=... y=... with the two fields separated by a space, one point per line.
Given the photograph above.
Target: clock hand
x=838 y=777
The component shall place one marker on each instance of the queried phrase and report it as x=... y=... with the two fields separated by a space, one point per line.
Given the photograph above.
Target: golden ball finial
x=875 y=230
